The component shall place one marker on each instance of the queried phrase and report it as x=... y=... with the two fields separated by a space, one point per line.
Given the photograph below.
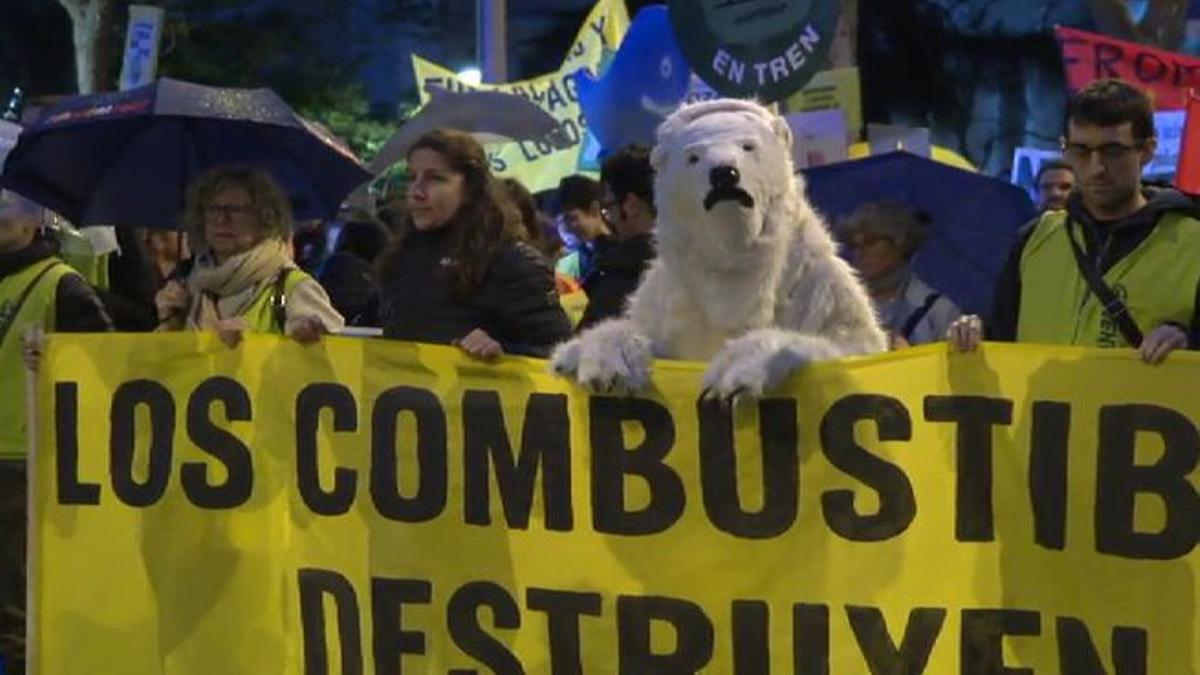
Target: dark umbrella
x=974 y=217
x=125 y=158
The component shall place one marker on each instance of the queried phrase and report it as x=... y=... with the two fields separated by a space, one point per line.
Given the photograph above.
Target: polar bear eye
x=693 y=158
x=748 y=147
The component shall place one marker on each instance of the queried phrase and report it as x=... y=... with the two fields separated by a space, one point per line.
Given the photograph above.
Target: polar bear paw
x=761 y=360
x=612 y=358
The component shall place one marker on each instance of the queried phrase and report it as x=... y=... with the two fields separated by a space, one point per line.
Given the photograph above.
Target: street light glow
x=470 y=76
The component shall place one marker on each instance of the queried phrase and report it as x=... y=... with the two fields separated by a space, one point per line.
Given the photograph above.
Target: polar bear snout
x=724 y=177
x=725 y=181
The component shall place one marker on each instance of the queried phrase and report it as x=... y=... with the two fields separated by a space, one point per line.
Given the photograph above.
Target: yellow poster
x=836 y=88
x=365 y=506
x=540 y=165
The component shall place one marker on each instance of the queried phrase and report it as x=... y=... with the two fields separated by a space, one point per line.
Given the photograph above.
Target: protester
x=579 y=203
x=526 y=206
x=459 y=272
x=544 y=238
x=883 y=238
x=164 y=251
x=243 y=279
x=1055 y=180
x=627 y=185
x=134 y=278
x=37 y=291
x=348 y=274
x=1120 y=266
x=309 y=243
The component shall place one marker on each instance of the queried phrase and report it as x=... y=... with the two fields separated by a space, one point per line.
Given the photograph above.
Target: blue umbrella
x=974 y=217
x=125 y=158
x=646 y=81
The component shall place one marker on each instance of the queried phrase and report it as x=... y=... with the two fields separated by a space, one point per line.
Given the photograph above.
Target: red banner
x=1164 y=75
x=1187 y=178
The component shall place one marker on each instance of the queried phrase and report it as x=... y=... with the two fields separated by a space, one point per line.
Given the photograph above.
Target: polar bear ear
x=782 y=130
x=658 y=156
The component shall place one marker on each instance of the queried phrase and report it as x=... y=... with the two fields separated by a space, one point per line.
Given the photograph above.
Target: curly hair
x=904 y=225
x=271 y=202
x=485 y=220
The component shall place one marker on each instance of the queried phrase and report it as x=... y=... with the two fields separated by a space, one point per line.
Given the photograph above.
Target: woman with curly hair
x=238 y=221
x=459 y=271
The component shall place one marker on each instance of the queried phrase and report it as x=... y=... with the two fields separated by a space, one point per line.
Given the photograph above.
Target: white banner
x=141 y=46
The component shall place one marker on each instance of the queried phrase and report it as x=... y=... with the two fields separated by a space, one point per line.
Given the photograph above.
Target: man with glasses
x=1120 y=266
x=37 y=290
x=627 y=207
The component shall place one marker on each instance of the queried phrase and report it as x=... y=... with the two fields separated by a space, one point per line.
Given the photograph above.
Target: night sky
x=36 y=49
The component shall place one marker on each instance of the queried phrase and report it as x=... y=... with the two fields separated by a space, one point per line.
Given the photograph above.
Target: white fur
x=758 y=292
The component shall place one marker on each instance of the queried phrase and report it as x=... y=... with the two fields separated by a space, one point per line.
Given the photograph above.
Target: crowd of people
x=467 y=259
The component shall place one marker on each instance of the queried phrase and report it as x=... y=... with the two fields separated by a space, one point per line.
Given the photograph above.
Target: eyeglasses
x=228 y=210
x=1109 y=152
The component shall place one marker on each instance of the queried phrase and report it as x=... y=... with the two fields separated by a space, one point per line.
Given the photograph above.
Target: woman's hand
x=478 y=344
x=965 y=334
x=171 y=300
x=307 y=329
x=230 y=330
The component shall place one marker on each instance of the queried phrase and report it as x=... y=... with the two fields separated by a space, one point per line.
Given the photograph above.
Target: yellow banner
x=366 y=506
x=537 y=164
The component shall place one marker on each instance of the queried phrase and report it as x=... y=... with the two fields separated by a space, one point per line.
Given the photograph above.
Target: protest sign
x=368 y=506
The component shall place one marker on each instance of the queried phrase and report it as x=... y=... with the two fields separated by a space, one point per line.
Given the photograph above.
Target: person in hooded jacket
x=1120 y=266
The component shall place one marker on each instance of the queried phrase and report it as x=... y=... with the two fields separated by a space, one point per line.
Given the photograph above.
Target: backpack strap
x=910 y=324
x=1113 y=306
x=279 y=298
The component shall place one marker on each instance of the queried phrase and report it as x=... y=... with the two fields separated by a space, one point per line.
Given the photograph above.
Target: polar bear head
x=724 y=182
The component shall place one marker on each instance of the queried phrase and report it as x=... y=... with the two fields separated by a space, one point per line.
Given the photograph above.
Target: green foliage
x=345 y=113
x=298 y=53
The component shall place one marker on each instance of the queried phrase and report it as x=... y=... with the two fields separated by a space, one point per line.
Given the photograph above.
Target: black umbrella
x=125 y=158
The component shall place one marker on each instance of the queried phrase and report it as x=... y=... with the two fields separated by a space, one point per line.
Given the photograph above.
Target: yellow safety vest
x=41 y=278
x=1157 y=281
x=267 y=314
x=77 y=252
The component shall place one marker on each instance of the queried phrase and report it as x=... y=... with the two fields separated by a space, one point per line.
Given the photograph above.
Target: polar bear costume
x=747 y=275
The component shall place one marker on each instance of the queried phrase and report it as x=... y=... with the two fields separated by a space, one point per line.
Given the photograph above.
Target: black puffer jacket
x=516 y=303
x=618 y=271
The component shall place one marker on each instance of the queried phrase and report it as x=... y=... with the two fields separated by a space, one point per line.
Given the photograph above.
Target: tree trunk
x=94 y=54
x=1163 y=26
x=843 y=53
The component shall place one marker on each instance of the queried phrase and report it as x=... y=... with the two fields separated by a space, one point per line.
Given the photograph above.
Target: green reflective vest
x=36 y=310
x=1157 y=281
x=77 y=251
x=267 y=314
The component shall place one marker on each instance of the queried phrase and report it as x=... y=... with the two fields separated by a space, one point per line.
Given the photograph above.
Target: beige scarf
x=226 y=290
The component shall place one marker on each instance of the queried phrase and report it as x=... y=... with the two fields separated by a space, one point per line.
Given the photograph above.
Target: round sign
x=763 y=48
